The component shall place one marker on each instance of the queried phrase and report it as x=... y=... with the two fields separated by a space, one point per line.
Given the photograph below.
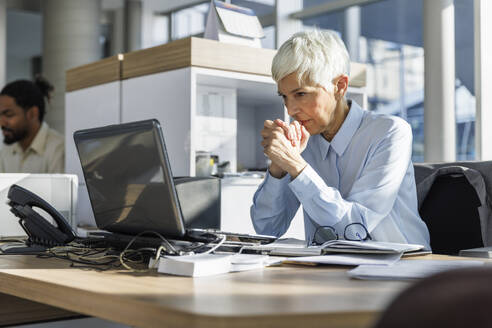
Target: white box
x=59 y=190
x=233 y=24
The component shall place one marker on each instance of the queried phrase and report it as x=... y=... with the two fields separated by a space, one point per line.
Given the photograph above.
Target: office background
x=426 y=59
x=396 y=39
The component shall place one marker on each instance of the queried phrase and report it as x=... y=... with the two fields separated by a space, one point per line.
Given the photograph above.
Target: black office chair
x=452 y=299
x=450 y=211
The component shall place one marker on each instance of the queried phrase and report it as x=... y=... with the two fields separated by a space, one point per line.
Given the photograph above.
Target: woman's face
x=312 y=106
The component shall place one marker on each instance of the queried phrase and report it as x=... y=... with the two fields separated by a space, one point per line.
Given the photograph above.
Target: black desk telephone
x=40 y=232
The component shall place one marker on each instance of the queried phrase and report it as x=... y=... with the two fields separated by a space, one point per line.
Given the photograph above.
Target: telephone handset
x=40 y=232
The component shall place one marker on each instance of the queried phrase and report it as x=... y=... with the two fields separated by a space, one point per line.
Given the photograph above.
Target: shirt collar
x=342 y=139
x=39 y=143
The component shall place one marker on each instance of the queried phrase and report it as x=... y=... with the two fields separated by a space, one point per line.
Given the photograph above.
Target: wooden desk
x=287 y=296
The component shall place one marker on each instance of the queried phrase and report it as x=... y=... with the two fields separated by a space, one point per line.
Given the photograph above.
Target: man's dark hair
x=28 y=93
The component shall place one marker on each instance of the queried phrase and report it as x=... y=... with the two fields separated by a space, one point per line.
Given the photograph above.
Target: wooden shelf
x=196 y=52
x=100 y=72
x=200 y=53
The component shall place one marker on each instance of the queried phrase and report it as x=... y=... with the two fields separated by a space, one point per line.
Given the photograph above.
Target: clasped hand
x=283 y=144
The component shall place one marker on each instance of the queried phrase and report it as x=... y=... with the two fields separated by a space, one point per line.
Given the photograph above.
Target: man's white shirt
x=46 y=154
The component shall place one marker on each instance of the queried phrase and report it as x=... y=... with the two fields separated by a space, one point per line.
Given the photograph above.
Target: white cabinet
x=172 y=97
x=237 y=195
x=87 y=108
x=167 y=97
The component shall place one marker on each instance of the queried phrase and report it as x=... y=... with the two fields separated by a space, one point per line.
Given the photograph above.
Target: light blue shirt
x=364 y=175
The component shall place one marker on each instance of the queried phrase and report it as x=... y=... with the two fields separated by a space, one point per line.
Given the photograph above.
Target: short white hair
x=315 y=56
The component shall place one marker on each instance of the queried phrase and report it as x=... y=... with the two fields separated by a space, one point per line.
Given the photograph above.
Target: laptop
x=130 y=183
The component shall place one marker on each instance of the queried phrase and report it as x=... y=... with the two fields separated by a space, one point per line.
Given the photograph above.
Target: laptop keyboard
x=234 y=236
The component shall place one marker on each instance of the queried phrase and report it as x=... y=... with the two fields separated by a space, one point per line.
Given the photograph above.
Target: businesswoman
x=350 y=169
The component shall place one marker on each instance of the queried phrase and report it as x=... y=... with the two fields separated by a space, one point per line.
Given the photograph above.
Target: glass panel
x=390 y=43
x=392 y=47
x=465 y=75
x=260 y=7
x=160 y=32
x=268 y=41
x=190 y=21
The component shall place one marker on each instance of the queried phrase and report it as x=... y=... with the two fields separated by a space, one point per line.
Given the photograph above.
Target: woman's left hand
x=283 y=151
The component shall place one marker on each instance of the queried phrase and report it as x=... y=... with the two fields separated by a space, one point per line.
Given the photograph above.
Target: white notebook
x=484 y=252
x=195 y=265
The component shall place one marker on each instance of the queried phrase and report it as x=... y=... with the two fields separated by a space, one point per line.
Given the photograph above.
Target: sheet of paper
x=244 y=262
x=408 y=269
x=348 y=259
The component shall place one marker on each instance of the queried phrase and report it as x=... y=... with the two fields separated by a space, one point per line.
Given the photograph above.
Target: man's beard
x=15 y=135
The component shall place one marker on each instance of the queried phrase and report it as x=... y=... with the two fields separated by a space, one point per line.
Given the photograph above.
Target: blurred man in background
x=30 y=146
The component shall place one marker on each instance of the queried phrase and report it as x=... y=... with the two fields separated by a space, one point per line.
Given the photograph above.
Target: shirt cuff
x=272 y=185
x=307 y=184
x=270 y=196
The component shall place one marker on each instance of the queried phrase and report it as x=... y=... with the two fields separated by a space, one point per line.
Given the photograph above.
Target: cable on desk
x=166 y=247
x=106 y=258
x=98 y=259
x=221 y=241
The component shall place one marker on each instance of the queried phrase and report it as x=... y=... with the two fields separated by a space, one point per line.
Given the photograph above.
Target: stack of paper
x=295 y=247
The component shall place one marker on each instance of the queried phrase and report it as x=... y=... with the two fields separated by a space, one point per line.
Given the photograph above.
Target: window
x=465 y=75
x=190 y=21
x=390 y=43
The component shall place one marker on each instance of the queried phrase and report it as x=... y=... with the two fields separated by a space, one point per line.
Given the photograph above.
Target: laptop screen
x=129 y=179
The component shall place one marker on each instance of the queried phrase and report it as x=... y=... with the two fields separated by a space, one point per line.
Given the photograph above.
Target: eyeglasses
x=353 y=231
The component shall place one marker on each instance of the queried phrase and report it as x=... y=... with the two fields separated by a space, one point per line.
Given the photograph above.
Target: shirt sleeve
x=274 y=206
x=373 y=193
